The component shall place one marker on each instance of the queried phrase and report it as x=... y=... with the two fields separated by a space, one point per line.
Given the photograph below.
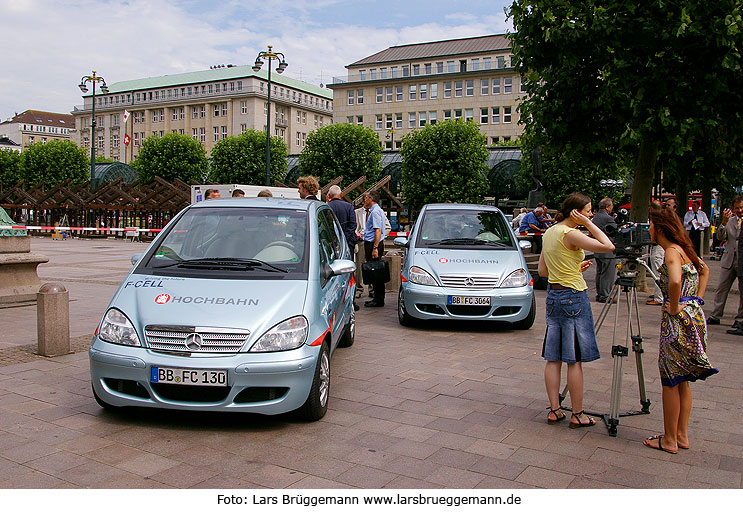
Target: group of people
x=570 y=337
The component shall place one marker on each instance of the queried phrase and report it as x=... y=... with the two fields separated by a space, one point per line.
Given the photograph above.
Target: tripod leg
x=638 y=350
x=618 y=352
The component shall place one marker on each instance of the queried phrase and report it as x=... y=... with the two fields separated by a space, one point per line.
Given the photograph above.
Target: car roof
x=262 y=202
x=463 y=207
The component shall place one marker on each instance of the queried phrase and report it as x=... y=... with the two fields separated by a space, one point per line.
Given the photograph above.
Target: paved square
x=442 y=405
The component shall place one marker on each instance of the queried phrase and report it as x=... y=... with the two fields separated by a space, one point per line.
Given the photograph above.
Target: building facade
x=37 y=127
x=207 y=105
x=405 y=87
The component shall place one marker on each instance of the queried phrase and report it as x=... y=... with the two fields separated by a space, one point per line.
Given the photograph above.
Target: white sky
x=49 y=45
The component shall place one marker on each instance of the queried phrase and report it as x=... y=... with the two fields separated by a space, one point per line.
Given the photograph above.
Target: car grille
x=469 y=282
x=195 y=340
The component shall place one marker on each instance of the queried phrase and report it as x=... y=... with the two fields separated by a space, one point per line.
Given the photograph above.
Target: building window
x=440 y=67
x=486 y=63
x=378 y=125
x=406 y=71
x=136 y=139
x=362 y=75
x=432 y=117
x=174 y=114
x=458 y=114
x=507 y=114
x=100 y=142
x=202 y=134
x=434 y=91
x=239 y=85
x=304 y=117
x=224 y=131
x=351 y=97
x=359 y=119
x=468 y=115
x=373 y=73
x=500 y=62
x=428 y=68
x=475 y=64
x=394 y=72
x=507 y=85
x=388 y=121
x=224 y=109
x=424 y=92
x=315 y=120
x=483 y=115
x=360 y=96
x=495 y=118
x=155 y=116
x=484 y=86
x=116 y=141
x=447 y=89
x=202 y=112
x=470 y=88
x=422 y=119
x=496 y=86
x=349 y=119
x=388 y=94
x=383 y=73
x=413 y=92
x=216 y=109
x=411 y=120
x=211 y=88
x=398 y=120
x=450 y=67
x=195 y=133
x=243 y=107
x=194 y=112
x=398 y=93
x=458 y=88
x=232 y=86
x=181 y=113
x=447 y=114
x=416 y=69
x=216 y=133
x=379 y=95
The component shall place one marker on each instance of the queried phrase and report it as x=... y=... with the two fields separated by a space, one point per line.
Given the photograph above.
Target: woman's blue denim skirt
x=570 y=337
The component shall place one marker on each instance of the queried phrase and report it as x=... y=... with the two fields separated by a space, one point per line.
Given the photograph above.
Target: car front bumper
x=431 y=302
x=266 y=383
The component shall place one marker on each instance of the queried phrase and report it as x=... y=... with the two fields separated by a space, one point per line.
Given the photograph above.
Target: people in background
x=655 y=259
x=265 y=193
x=531 y=221
x=695 y=221
x=238 y=193
x=516 y=222
x=605 y=261
x=729 y=231
x=211 y=194
x=374 y=242
x=308 y=187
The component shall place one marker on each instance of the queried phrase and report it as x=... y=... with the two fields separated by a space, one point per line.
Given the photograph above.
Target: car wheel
x=529 y=320
x=316 y=404
x=402 y=315
x=103 y=404
x=350 y=331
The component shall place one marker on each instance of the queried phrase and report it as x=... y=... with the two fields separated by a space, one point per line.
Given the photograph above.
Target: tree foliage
x=444 y=162
x=170 y=157
x=10 y=167
x=607 y=76
x=242 y=159
x=53 y=162
x=343 y=149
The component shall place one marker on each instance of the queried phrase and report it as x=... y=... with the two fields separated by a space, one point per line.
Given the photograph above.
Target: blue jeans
x=570 y=337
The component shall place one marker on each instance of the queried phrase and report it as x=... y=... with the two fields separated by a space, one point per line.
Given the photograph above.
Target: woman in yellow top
x=570 y=336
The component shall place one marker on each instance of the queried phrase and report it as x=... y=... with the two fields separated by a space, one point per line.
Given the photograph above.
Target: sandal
x=659 y=439
x=573 y=425
x=558 y=418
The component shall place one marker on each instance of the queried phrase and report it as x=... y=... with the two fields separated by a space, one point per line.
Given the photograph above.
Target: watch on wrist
x=376 y=246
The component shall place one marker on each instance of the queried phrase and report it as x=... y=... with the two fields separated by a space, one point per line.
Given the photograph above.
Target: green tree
x=54 y=162
x=444 y=162
x=607 y=76
x=102 y=160
x=170 y=157
x=242 y=159
x=345 y=149
x=10 y=167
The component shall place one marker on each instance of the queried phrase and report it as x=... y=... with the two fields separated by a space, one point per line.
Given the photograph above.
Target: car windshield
x=464 y=228
x=264 y=240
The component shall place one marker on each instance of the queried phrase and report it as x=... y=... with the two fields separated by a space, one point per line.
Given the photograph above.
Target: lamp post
x=93 y=79
x=270 y=55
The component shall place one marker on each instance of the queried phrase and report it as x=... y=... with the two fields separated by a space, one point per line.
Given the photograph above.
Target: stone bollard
x=395 y=263
x=53 y=320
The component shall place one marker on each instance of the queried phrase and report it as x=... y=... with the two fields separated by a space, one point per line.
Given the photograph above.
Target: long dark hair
x=667 y=222
x=573 y=201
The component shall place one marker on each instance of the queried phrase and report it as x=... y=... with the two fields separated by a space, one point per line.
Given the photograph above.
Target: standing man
x=308 y=187
x=655 y=260
x=695 y=221
x=344 y=212
x=729 y=230
x=374 y=242
x=211 y=194
x=605 y=261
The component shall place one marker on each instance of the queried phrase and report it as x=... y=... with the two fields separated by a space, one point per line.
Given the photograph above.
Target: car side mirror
x=401 y=241
x=136 y=257
x=340 y=267
x=525 y=244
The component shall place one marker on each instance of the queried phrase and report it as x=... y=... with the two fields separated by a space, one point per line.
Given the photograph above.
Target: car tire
x=402 y=315
x=527 y=322
x=103 y=404
x=349 y=333
x=316 y=405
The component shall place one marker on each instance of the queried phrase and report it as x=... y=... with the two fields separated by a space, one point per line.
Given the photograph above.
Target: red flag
x=126 y=140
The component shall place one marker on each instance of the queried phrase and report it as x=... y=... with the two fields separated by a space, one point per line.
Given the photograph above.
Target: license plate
x=188 y=376
x=458 y=300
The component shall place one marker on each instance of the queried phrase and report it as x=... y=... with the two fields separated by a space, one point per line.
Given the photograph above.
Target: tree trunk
x=641 y=188
x=682 y=194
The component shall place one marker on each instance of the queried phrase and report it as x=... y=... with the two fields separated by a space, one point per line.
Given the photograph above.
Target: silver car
x=463 y=262
x=238 y=305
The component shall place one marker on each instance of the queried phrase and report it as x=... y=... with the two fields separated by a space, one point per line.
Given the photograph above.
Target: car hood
x=472 y=262
x=254 y=305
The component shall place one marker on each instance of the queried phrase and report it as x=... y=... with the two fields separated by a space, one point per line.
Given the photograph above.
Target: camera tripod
x=626 y=282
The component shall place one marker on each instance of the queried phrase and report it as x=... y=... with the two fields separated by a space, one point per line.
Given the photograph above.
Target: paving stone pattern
x=439 y=406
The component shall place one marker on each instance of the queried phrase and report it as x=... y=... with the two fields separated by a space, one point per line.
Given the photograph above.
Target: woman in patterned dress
x=682 y=354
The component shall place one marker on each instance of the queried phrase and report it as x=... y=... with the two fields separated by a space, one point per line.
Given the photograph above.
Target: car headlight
x=116 y=328
x=289 y=334
x=420 y=276
x=516 y=279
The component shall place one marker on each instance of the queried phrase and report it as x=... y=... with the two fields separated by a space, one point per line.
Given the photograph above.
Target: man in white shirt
x=695 y=221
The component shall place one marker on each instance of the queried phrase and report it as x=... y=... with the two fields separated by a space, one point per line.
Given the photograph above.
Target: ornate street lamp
x=270 y=55
x=92 y=78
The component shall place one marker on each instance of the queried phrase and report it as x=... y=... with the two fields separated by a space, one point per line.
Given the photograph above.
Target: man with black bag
x=374 y=271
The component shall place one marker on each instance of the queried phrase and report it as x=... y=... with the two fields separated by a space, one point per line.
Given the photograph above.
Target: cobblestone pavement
x=439 y=406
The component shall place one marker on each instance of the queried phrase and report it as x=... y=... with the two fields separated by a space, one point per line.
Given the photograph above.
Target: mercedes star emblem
x=469 y=281
x=193 y=342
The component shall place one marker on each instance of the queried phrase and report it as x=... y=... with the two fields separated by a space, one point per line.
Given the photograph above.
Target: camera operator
x=570 y=335
x=605 y=261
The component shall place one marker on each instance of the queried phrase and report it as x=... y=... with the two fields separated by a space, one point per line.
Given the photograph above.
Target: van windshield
x=234 y=239
x=464 y=228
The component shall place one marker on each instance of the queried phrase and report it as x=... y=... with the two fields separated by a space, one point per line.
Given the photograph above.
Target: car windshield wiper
x=456 y=241
x=222 y=262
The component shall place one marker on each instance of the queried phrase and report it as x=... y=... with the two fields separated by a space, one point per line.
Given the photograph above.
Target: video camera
x=629 y=238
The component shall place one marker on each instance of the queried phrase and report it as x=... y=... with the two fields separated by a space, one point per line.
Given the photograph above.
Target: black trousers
x=696 y=240
x=379 y=286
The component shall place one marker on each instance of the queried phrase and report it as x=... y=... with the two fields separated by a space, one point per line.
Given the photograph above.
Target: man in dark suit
x=728 y=231
x=346 y=216
x=606 y=261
